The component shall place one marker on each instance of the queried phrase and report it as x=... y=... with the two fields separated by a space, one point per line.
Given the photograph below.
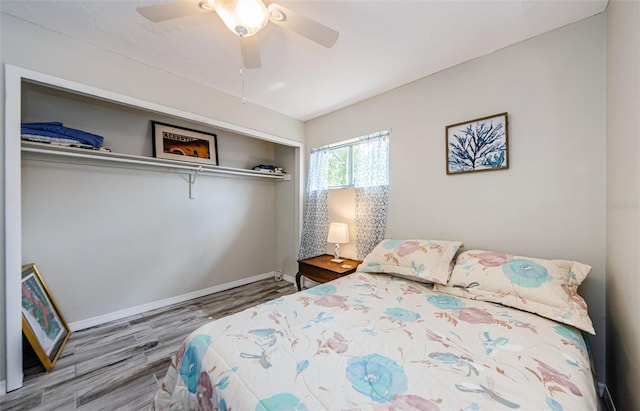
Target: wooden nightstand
x=321 y=270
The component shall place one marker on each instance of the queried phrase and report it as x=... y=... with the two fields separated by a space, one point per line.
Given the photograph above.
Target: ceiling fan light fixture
x=243 y=17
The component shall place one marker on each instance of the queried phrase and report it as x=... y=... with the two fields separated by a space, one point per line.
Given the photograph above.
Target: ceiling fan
x=246 y=18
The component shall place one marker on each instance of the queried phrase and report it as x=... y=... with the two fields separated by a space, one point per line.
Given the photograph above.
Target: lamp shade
x=338 y=233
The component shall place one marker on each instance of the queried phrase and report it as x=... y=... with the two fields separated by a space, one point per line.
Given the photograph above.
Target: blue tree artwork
x=477 y=145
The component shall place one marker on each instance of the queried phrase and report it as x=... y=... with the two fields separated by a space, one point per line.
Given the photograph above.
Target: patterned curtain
x=371 y=181
x=315 y=222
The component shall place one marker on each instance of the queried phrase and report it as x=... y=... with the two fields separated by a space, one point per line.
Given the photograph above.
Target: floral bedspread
x=375 y=342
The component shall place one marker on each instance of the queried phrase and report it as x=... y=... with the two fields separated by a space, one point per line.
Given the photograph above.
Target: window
x=342 y=159
x=340 y=170
x=362 y=163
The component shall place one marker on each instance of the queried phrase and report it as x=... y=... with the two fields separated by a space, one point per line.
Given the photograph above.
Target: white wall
x=33 y=47
x=550 y=202
x=623 y=202
x=29 y=46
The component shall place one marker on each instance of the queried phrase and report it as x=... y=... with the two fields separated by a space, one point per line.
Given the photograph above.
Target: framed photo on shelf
x=478 y=145
x=42 y=322
x=184 y=144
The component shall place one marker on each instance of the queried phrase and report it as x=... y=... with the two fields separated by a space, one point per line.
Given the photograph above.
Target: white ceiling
x=382 y=45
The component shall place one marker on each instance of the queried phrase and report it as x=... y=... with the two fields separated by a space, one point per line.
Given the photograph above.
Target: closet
x=117 y=233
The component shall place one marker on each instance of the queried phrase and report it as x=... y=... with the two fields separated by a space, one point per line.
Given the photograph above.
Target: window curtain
x=371 y=182
x=315 y=222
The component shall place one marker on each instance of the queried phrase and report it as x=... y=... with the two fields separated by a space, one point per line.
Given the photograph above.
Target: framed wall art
x=42 y=322
x=478 y=145
x=178 y=143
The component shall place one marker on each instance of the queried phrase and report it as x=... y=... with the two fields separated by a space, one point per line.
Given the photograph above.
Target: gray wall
x=342 y=204
x=550 y=202
x=287 y=236
x=29 y=46
x=2 y=245
x=623 y=202
x=107 y=239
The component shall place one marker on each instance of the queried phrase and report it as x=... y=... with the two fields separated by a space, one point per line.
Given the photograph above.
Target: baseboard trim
x=608 y=400
x=3 y=387
x=117 y=315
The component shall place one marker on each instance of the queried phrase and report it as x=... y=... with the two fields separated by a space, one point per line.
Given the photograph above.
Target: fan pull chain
x=243 y=100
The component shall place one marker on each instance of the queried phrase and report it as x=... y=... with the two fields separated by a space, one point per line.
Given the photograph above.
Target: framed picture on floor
x=478 y=145
x=184 y=144
x=42 y=322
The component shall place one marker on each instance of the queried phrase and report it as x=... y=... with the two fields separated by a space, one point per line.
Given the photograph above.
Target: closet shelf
x=70 y=152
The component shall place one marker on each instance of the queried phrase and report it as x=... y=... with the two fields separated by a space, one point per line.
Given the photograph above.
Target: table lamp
x=338 y=234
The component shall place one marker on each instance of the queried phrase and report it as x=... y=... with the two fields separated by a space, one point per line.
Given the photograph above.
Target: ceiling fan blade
x=250 y=52
x=302 y=25
x=168 y=11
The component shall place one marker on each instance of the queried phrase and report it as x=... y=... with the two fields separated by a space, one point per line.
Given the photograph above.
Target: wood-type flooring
x=119 y=365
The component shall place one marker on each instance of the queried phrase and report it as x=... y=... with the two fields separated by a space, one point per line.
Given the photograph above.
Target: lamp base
x=336 y=255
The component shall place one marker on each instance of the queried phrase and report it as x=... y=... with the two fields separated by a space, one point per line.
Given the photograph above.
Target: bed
x=372 y=340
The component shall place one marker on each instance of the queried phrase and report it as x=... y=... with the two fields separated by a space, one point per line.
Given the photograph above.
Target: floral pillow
x=548 y=288
x=422 y=260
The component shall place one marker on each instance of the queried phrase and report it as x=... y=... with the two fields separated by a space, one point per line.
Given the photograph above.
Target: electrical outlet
x=279 y=275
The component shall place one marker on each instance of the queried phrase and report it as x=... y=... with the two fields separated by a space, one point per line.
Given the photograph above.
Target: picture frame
x=42 y=322
x=481 y=144
x=184 y=144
